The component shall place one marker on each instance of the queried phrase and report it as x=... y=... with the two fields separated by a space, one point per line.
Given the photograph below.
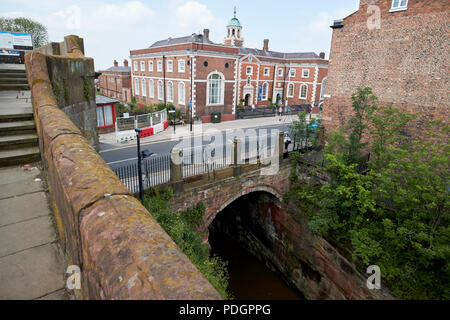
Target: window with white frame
x=135 y=65
x=142 y=66
x=398 y=5
x=292 y=72
x=151 y=88
x=323 y=87
x=266 y=71
x=105 y=116
x=118 y=80
x=265 y=90
x=160 y=90
x=280 y=72
x=181 y=66
x=181 y=93
x=305 y=73
x=303 y=91
x=144 y=88
x=159 y=66
x=290 y=92
x=150 y=66
x=215 y=84
x=169 y=66
x=249 y=71
x=136 y=86
x=170 y=91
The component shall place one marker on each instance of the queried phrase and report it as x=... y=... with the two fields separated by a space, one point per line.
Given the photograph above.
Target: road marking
x=178 y=139
x=121 y=161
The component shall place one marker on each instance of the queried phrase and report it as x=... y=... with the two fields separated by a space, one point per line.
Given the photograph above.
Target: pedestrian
x=253 y=107
x=287 y=141
x=280 y=110
x=181 y=120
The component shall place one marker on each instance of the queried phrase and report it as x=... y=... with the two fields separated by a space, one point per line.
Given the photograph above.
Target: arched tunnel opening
x=244 y=234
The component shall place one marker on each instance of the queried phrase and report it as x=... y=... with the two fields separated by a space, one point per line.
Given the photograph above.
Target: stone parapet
x=121 y=250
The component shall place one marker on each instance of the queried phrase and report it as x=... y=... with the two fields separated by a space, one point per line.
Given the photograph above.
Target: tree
x=395 y=214
x=38 y=31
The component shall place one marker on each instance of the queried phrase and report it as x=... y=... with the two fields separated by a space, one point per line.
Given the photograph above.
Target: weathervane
x=235 y=11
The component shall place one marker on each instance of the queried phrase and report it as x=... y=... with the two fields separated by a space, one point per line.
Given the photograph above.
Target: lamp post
x=141 y=155
x=190 y=56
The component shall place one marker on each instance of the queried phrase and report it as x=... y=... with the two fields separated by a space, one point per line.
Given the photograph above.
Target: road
x=123 y=156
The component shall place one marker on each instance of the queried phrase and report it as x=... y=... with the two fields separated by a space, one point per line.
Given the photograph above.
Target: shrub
x=180 y=227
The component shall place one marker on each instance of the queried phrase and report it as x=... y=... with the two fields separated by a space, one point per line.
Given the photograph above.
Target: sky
x=112 y=28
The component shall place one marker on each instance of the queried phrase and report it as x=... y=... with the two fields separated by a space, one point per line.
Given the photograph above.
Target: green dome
x=234 y=22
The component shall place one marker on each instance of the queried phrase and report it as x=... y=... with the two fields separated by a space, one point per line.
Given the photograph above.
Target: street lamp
x=141 y=155
x=190 y=56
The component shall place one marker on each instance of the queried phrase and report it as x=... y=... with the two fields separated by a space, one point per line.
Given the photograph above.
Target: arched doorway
x=242 y=235
x=247 y=99
x=278 y=99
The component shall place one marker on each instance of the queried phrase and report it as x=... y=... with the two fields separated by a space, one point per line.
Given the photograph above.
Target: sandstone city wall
x=122 y=251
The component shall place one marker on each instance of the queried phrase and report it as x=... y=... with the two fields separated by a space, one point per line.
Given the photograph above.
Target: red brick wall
x=405 y=61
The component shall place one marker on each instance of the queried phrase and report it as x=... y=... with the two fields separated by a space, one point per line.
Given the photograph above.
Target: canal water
x=250 y=279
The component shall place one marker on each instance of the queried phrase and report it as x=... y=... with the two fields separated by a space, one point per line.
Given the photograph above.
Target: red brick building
x=115 y=82
x=400 y=49
x=224 y=75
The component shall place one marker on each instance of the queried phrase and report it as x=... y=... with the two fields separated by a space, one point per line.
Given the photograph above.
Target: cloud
x=193 y=15
x=315 y=34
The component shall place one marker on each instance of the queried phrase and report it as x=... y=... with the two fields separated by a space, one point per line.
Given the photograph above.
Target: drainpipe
x=273 y=83
x=284 y=84
x=164 y=79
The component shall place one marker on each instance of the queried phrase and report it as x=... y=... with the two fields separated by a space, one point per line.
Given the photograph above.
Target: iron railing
x=155 y=171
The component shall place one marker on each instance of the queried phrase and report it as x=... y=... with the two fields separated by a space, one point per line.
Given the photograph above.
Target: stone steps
x=13 y=86
x=10 y=74
x=13 y=79
x=17 y=127
x=18 y=141
x=19 y=156
x=4 y=80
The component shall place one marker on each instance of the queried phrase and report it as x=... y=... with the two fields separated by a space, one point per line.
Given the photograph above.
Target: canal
x=249 y=277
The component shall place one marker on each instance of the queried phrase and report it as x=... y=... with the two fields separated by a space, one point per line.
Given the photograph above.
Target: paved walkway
x=108 y=140
x=31 y=262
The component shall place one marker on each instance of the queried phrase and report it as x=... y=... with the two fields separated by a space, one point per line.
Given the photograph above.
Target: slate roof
x=197 y=38
x=99 y=99
x=119 y=69
x=282 y=55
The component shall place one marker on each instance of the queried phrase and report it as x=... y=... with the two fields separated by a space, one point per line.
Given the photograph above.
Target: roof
x=99 y=99
x=282 y=55
x=119 y=69
x=197 y=38
x=234 y=22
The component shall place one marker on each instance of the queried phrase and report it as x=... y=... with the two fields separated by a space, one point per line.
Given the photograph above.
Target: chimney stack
x=322 y=55
x=116 y=63
x=206 y=33
x=266 y=45
x=125 y=63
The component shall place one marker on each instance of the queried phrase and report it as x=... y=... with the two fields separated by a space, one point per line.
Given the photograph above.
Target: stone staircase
x=18 y=137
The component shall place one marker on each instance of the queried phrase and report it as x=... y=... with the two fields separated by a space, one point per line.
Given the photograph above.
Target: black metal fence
x=204 y=159
x=155 y=171
x=270 y=111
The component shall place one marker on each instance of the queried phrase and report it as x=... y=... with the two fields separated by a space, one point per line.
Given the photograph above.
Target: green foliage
x=303 y=131
x=38 y=31
x=86 y=88
x=395 y=213
x=180 y=227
